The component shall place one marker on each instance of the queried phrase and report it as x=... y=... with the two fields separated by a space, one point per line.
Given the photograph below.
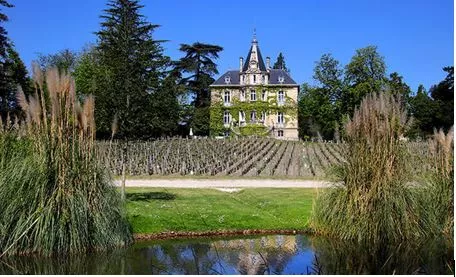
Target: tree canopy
x=199 y=66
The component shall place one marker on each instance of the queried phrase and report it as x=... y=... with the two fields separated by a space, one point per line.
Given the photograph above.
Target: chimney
x=241 y=63
x=268 y=63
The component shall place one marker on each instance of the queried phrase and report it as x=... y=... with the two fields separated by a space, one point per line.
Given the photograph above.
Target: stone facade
x=255 y=100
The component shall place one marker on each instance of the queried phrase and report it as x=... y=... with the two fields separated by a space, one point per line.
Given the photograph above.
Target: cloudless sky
x=416 y=37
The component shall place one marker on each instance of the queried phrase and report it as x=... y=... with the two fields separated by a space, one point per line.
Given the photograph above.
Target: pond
x=275 y=254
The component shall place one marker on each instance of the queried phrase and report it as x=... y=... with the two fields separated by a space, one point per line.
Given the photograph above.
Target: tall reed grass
x=55 y=196
x=439 y=190
x=373 y=205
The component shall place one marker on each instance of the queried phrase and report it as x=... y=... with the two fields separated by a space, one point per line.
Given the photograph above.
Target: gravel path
x=225 y=183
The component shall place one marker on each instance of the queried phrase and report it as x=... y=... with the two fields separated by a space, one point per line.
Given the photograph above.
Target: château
x=255 y=100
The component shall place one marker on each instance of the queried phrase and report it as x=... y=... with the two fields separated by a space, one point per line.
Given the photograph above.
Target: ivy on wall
x=269 y=107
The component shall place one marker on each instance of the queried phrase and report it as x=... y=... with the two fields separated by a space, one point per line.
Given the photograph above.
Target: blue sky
x=415 y=37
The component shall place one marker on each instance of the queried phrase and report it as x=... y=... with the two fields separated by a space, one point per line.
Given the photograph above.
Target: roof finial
x=254 y=35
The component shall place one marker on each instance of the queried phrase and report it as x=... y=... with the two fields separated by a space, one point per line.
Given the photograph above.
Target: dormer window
x=227 y=80
x=281 y=79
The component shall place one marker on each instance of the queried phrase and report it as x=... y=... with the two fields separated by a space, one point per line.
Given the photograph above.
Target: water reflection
x=247 y=255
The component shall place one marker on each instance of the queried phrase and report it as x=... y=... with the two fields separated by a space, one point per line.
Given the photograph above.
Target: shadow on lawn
x=154 y=195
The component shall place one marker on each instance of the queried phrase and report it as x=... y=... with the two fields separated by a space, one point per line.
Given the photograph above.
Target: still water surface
x=247 y=255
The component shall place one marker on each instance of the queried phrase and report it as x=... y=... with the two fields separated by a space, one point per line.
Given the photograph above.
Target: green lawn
x=153 y=210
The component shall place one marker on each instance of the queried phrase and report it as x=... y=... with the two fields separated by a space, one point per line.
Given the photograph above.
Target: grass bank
x=155 y=210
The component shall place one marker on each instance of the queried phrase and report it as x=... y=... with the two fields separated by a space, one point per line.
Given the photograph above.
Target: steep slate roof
x=260 y=60
x=273 y=78
x=234 y=75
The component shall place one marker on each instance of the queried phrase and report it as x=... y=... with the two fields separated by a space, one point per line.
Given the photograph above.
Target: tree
x=165 y=106
x=423 y=109
x=317 y=114
x=280 y=63
x=364 y=74
x=320 y=106
x=443 y=96
x=199 y=63
x=4 y=41
x=65 y=60
x=397 y=86
x=132 y=64
x=12 y=70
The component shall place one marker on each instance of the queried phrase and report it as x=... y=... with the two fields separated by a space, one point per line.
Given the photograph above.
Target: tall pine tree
x=280 y=63
x=133 y=64
x=13 y=72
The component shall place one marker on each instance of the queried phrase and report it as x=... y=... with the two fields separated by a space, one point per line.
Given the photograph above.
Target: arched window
x=280 y=133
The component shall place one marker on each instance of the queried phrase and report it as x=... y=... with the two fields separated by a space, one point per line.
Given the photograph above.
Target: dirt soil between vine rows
x=224 y=183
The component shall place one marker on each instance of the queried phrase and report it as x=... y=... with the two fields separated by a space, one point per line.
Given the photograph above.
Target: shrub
x=373 y=204
x=55 y=196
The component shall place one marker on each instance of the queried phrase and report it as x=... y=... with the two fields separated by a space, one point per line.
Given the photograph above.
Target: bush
x=55 y=196
x=373 y=205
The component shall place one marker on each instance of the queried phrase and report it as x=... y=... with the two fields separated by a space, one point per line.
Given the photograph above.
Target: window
x=253 y=116
x=242 y=96
x=262 y=79
x=263 y=95
x=226 y=117
x=227 y=79
x=254 y=79
x=227 y=97
x=262 y=116
x=252 y=95
x=280 y=117
x=280 y=133
x=241 y=116
x=281 y=97
x=281 y=79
